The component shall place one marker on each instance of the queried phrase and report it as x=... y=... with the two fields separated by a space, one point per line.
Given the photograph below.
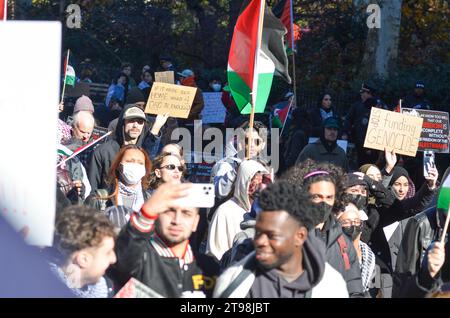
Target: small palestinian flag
x=444 y=196
x=70 y=76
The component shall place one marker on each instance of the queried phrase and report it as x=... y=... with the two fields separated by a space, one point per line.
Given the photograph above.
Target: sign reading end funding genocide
x=176 y=100
x=28 y=167
x=435 y=131
x=393 y=130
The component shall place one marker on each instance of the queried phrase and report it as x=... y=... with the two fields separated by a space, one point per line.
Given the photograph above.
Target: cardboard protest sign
x=393 y=130
x=341 y=143
x=214 y=110
x=27 y=164
x=165 y=77
x=169 y=98
x=435 y=129
x=135 y=289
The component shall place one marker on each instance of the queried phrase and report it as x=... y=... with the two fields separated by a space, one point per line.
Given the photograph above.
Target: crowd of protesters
x=320 y=227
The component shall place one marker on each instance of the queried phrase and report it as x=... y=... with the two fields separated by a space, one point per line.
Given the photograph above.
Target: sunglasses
x=172 y=167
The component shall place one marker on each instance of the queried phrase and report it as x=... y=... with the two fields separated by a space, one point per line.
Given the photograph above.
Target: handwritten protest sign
x=165 y=77
x=393 y=130
x=214 y=110
x=435 y=130
x=169 y=98
x=27 y=166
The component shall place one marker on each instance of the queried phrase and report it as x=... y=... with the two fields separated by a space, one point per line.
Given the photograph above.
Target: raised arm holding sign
x=391 y=130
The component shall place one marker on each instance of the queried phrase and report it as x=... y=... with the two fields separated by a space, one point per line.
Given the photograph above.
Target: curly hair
x=296 y=175
x=288 y=197
x=78 y=227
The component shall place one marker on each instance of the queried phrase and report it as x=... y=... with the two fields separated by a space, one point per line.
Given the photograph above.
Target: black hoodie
x=105 y=154
x=270 y=284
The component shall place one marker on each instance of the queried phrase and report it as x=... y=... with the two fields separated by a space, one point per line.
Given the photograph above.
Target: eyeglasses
x=172 y=167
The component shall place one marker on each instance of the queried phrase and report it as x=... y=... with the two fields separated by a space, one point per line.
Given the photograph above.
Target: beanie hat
x=83 y=103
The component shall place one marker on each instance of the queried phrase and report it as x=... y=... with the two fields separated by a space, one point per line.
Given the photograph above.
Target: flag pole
x=447 y=220
x=255 y=77
x=65 y=75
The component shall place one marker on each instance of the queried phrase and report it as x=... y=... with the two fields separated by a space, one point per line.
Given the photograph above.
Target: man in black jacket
x=131 y=129
x=154 y=246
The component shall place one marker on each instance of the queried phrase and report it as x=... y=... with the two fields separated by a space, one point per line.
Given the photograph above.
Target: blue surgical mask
x=216 y=87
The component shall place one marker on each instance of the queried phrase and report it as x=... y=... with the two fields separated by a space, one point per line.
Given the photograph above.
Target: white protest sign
x=28 y=123
x=214 y=110
x=341 y=143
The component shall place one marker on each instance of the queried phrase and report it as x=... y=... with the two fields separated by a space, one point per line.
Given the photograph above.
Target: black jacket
x=105 y=154
x=420 y=232
x=399 y=210
x=330 y=234
x=136 y=257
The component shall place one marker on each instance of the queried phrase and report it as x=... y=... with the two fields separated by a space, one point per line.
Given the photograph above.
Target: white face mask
x=132 y=173
x=216 y=87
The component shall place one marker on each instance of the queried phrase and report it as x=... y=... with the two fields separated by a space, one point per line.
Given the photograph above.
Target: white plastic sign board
x=30 y=62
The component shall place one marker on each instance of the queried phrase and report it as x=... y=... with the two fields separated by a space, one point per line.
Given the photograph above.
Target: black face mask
x=357 y=199
x=352 y=231
x=324 y=212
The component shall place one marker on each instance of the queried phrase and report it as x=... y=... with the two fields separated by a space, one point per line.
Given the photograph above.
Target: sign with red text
x=28 y=160
x=393 y=130
x=435 y=129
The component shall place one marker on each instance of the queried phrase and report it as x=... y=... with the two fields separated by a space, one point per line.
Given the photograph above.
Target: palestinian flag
x=70 y=76
x=69 y=72
x=252 y=62
x=444 y=196
x=284 y=11
x=63 y=151
x=280 y=113
x=3 y=7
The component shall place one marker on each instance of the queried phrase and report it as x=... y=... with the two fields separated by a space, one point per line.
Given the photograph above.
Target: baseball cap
x=83 y=103
x=134 y=112
x=186 y=73
x=331 y=122
x=351 y=179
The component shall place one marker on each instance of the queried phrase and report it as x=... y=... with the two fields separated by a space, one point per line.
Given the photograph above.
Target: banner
x=165 y=77
x=392 y=130
x=169 y=98
x=435 y=130
x=28 y=160
x=214 y=110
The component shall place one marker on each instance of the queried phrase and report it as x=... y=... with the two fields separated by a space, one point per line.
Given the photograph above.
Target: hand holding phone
x=200 y=195
x=428 y=162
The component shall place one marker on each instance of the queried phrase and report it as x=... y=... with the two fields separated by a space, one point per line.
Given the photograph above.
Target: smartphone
x=428 y=162
x=201 y=195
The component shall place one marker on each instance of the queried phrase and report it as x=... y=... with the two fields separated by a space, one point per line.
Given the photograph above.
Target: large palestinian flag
x=252 y=62
x=3 y=6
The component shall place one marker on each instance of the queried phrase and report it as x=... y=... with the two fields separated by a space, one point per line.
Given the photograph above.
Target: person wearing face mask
x=323 y=182
x=215 y=85
x=128 y=186
x=352 y=221
x=227 y=219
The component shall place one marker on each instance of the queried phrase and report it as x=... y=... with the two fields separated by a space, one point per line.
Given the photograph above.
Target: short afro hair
x=284 y=196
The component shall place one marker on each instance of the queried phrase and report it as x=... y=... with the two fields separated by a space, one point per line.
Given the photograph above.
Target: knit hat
x=83 y=103
x=135 y=95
